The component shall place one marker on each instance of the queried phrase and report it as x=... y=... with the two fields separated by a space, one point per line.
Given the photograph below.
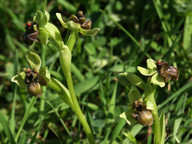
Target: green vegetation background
x=131 y=32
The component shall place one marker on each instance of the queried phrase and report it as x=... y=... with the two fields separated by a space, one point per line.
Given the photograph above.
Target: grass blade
x=25 y=117
x=6 y=129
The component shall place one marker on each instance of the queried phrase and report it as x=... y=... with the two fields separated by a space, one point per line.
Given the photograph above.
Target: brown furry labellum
x=167 y=71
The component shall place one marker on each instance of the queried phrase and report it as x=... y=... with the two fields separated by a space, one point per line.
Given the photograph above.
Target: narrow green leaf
x=61 y=90
x=117 y=130
x=86 y=85
x=6 y=129
x=135 y=80
x=113 y=100
x=25 y=117
x=162 y=124
x=77 y=72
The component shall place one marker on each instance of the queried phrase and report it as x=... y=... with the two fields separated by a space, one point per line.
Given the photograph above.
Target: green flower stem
x=78 y=111
x=157 y=130
x=72 y=39
x=42 y=101
x=65 y=60
x=149 y=94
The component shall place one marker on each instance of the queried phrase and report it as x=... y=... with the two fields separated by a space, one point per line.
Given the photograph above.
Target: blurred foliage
x=161 y=30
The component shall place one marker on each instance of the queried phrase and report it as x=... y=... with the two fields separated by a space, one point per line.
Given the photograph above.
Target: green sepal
x=41 y=18
x=34 y=61
x=43 y=36
x=128 y=116
x=38 y=17
x=151 y=64
x=71 y=25
x=158 y=80
x=58 y=15
x=133 y=96
x=45 y=73
x=76 y=26
x=54 y=34
x=19 y=79
x=91 y=32
x=146 y=72
x=126 y=79
x=45 y=19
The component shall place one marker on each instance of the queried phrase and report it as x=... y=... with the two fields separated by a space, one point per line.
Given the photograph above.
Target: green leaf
x=91 y=32
x=146 y=72
x=45 y=74
x=34 y=61
x=61 y=90
x=162 y=124
x=43 y=36
x=134 y=95
x=158 y=80
x=151 y=64
x=54 y=34
x=19 y=79
x=126 y=79
x=86 y=85
x=7 y=129
x=128 y=117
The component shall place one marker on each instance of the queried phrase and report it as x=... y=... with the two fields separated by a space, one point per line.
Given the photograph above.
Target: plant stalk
x=65 y=61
